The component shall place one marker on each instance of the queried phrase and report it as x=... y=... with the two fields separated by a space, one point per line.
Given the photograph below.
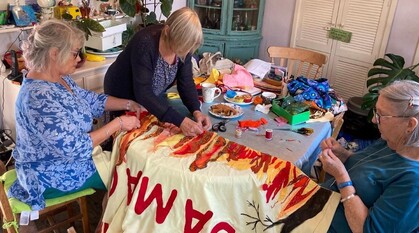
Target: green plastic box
x=292 y=119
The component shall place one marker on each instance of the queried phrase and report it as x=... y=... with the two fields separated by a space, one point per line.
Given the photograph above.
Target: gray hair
x=50 y=34
x=404 y=96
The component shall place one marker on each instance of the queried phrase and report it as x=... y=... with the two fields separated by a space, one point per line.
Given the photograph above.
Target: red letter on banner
x=132 y=183
x=223 y=226
x=156 y=193
x=190 y=213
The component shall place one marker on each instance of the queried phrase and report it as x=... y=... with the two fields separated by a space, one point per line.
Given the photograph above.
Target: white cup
x=208 y=92
x=267 y=97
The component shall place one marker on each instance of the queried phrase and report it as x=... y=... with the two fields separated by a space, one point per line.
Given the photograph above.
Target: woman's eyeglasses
x=76 y=53
x=378 y=116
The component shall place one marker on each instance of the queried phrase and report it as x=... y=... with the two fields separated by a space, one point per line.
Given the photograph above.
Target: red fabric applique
x=252 y=123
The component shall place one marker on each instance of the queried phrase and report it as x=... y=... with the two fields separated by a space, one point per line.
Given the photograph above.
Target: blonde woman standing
x=154 y=59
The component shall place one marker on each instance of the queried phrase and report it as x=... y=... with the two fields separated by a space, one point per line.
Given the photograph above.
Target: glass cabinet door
x=245 y=17
x=229 y=17
x=211 y=15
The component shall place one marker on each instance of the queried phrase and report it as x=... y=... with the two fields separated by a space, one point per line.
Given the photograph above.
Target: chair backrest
x=298 y=61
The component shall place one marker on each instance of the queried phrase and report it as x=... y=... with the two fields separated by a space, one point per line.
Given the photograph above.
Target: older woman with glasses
x=54 y=119
x=380 y=184
x=156 y=58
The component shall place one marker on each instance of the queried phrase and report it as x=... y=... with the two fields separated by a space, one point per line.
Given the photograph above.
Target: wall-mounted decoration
x=340 y=35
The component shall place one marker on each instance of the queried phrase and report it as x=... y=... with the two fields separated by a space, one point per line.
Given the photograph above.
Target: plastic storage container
x=108 y=39
x=292 y=119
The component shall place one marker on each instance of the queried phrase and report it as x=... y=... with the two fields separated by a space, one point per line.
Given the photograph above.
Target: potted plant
x=384 y=72
x=132 y=7
x=87 y=25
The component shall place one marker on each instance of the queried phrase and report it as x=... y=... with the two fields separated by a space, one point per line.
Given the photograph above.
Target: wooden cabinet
x=348 y=63
x=91 y=75
x=231 y=27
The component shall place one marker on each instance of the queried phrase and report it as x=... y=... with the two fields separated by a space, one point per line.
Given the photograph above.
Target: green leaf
x=67 y=16
x=376 y=88
x=128 y=7
x=93 y=25
x=376 y=81
x=369 y=100
x=151 y=18
x=385 y=72
x=375 y=71
x=166 y=7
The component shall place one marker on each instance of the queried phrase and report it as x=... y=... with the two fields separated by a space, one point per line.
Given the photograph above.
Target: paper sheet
x=258 y=67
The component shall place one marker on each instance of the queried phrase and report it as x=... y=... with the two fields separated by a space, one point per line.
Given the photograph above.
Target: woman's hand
x=133 y=106
x=202 y=119
x=173 y=129
x=332 y=165
x=190 y=127
x=128 y=123
x=337 y=149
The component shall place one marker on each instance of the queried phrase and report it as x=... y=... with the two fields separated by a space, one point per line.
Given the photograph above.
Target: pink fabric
x=239 y=77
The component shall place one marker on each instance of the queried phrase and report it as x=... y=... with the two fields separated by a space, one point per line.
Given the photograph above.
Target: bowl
x=267 y=97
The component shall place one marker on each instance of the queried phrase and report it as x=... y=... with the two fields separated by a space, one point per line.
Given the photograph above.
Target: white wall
x=416 y=59
x=277 y=25
x=404 y=34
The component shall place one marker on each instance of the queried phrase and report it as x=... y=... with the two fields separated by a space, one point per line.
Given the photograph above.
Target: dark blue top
x=138 y=74
x=388 y=184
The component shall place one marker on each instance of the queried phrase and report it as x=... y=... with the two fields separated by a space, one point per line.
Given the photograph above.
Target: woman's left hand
x=133 y=106
x=332 y=165
x=202 y=119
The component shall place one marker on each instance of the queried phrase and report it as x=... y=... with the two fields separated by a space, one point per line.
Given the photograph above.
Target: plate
x=239 y=111
x=113 y=51
x=233 y=100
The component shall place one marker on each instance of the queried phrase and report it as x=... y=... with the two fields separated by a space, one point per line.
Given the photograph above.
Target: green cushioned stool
x=12 y=206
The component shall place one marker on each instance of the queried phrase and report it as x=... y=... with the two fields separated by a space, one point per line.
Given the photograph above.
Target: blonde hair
x=183 y=32
x=50 y=34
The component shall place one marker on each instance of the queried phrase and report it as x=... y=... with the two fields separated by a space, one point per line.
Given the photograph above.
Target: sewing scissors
x=220 y=126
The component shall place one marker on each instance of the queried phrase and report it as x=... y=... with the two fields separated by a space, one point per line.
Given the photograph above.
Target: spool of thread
x=238 y=133
x=268 y=134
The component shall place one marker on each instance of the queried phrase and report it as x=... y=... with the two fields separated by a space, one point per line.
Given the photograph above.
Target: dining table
x=163 y=181
x=300 y=149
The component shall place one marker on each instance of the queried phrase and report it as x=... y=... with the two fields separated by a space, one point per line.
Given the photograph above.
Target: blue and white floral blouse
x=53 y=147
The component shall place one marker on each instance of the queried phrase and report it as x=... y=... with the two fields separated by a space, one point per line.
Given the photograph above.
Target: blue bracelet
x=344 y=184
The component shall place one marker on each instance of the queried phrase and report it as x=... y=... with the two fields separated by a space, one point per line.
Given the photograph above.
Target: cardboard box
x=110 y=38
x=292 y=119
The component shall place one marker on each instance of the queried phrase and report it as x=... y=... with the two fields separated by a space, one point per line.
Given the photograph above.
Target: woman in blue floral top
x=54 y=119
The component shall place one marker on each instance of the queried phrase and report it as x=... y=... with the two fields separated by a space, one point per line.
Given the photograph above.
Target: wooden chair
x=337 y=125
x=11 y=206
x=298 y=61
